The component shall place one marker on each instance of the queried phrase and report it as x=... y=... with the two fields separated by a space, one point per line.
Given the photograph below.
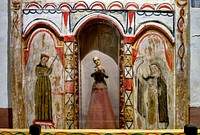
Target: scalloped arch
x=33 y=5
x=65 y=6
x=116 y=6
x=148 y=7
x=80 y=5
x=50 y=6
x=165 y=6
x=97 y=5
x=132 y=6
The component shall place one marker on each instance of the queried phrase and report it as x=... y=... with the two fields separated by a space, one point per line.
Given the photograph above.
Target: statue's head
x=96 y=60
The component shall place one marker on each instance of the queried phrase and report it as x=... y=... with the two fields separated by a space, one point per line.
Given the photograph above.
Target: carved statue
x=100 y=112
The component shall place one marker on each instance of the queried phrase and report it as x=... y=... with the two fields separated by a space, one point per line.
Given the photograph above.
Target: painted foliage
x=142 y=47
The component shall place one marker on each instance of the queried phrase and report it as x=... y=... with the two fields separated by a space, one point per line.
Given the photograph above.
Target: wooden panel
x=6 y=118
x=195 y=116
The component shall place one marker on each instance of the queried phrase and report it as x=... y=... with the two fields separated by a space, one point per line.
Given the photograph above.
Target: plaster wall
x=194 y=57
x=3 y=54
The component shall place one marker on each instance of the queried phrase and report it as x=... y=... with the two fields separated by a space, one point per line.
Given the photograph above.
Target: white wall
x=3 y=53
x=195 y=57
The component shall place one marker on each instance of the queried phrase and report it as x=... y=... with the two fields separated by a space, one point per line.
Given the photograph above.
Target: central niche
x=99 y=38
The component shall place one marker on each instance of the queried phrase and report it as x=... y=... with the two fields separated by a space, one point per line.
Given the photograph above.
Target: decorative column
x=128 y=73
x=16 y=69
x=71 y=71
x=69 y=76
x=182 y=62
x=121 y=85
x=128 y=87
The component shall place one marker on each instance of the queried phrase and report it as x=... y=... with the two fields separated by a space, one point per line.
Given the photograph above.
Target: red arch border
x=27 y=50
x=41 y=24
x=157 y=33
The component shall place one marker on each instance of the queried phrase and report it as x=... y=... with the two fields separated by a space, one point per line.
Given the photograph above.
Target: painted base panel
x=96 y=132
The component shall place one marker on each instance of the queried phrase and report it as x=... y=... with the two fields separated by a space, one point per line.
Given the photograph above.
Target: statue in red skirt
x=100 y=112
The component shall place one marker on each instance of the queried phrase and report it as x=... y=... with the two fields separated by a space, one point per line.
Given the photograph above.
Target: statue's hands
x=99 y=68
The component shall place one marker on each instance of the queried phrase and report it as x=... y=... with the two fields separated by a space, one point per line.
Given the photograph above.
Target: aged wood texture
x=16 y=62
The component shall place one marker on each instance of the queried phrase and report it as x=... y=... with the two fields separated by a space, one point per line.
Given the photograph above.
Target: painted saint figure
x=152 y=97
x=43 y=99
x=100 y=112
